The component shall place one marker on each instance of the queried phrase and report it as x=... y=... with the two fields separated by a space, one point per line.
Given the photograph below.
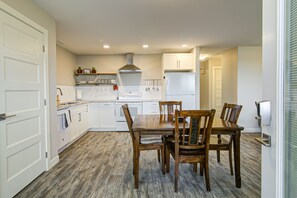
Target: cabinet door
x=151 y=108
x=107 y=118
x=170 y=61
x=74 y=126
x=83 y=126
x=94 y=114
x=185 y=62
x=61 y=132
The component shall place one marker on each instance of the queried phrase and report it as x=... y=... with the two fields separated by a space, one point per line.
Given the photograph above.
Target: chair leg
x=158 y=153
x=167 y=155
x=195 y=167
x=163 y=158
x=230 y=158
x=133 y=159
x=218 y=151
x=201 y=169
x=218 y=156
x=206 y=170
x=176 y=176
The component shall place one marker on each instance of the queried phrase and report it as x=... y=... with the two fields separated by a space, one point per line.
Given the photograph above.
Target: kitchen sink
x=65 y=105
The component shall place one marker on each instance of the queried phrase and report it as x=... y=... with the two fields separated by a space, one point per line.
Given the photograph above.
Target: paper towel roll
x=78 y=94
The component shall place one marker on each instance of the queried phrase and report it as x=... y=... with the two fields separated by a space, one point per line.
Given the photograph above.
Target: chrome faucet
x=61 y=93
x=58 y=98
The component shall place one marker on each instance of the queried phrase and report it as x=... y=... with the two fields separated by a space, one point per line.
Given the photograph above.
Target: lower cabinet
x=107 y=117
x=77 y=117
x=64 y=136
x=102 y=116
x=151 y=108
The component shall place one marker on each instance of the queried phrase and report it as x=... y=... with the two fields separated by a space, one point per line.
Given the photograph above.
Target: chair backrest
x=231 y=112
x=168 y=107
x=128 y=119
x=196 y=133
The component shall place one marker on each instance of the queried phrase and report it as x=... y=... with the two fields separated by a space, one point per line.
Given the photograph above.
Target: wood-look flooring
x=100 y=165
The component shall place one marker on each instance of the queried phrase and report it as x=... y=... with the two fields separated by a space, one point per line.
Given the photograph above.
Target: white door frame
x=280 y=136
x=212 y=82
x=9 y=10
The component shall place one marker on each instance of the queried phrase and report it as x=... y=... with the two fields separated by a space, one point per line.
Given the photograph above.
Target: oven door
x=134 y=108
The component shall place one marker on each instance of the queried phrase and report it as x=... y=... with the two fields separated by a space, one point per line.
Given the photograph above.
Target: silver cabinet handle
x=265 y=140
x=3 y=116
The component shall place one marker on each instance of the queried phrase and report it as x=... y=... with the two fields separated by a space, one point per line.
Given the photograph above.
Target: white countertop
x=66 y=105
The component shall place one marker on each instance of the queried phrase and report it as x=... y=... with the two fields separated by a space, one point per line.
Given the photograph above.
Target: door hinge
x=45 y=154
x=43 y=48
x=44 y=102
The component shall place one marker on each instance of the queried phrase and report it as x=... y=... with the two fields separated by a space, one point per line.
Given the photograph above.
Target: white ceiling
x=83 y=26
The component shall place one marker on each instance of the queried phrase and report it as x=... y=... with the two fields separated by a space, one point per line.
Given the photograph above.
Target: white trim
x=252 y=130
x=53 y=162
x=280 y=189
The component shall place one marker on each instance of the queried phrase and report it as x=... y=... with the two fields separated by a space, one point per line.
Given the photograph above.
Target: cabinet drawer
x=79 y=109
x=107 y=104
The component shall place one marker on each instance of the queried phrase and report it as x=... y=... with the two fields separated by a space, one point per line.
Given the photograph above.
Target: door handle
x=3 y=116
x=265 y=140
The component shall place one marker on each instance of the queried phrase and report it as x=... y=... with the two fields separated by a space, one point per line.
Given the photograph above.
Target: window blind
x=291 y=101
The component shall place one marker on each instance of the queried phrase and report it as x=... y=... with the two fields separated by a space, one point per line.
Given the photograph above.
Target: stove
x=134 y=101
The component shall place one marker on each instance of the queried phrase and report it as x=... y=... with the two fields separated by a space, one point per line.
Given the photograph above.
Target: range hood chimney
x=129 y=67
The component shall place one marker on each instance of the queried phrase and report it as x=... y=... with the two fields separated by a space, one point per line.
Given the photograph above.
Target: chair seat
x=151 y=139
x=171 y=145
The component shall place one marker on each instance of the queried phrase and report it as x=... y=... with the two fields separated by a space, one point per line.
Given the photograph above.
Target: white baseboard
x=53 y=162
x=252 y=130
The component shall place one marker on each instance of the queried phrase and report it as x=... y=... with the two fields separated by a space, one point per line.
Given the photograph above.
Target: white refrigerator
x=180 y=86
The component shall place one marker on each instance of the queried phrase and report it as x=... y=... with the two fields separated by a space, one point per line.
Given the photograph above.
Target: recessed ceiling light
x=184 y=45
x=145 y=46
x=106 y=46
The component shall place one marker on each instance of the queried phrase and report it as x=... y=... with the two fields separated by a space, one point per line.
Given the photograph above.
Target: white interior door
x=217 y=90
x=22 y=91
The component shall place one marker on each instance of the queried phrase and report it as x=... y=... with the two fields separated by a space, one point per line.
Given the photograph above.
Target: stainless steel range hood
x=129 y=67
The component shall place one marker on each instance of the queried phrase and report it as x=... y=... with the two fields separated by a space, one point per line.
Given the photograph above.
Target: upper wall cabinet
x=172 y=62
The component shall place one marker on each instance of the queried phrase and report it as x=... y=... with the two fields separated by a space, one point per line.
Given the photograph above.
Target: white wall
x=269 y=92
x=39 y=16
x=249 y=88
x=229 y=75
x=66 y=64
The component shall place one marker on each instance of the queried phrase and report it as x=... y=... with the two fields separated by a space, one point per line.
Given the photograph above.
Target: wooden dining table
x=161 y=125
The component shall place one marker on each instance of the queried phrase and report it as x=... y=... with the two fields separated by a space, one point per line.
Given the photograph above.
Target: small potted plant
x=94 y=70
x=79 y=70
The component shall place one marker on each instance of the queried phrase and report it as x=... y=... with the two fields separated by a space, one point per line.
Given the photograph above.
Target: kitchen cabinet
x=76 y=127
x=151 y=108
x=63 y=133
x=107 y=118
x=79 y=123
x=94 y=112
x=180 y=61
x=102 y=116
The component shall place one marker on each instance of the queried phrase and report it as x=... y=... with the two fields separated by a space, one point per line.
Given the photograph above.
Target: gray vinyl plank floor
x=99 y=164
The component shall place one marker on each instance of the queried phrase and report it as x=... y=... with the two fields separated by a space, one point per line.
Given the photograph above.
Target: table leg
x=236 y=152
x=137 y=153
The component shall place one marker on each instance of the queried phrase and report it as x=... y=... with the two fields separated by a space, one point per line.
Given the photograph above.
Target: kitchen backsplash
x=71 y=93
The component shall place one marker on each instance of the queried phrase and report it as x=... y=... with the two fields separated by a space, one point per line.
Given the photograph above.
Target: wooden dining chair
x=168 y=107
x=230 y=113
x=167 y=110
x=146 y=142
x=191 y=142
